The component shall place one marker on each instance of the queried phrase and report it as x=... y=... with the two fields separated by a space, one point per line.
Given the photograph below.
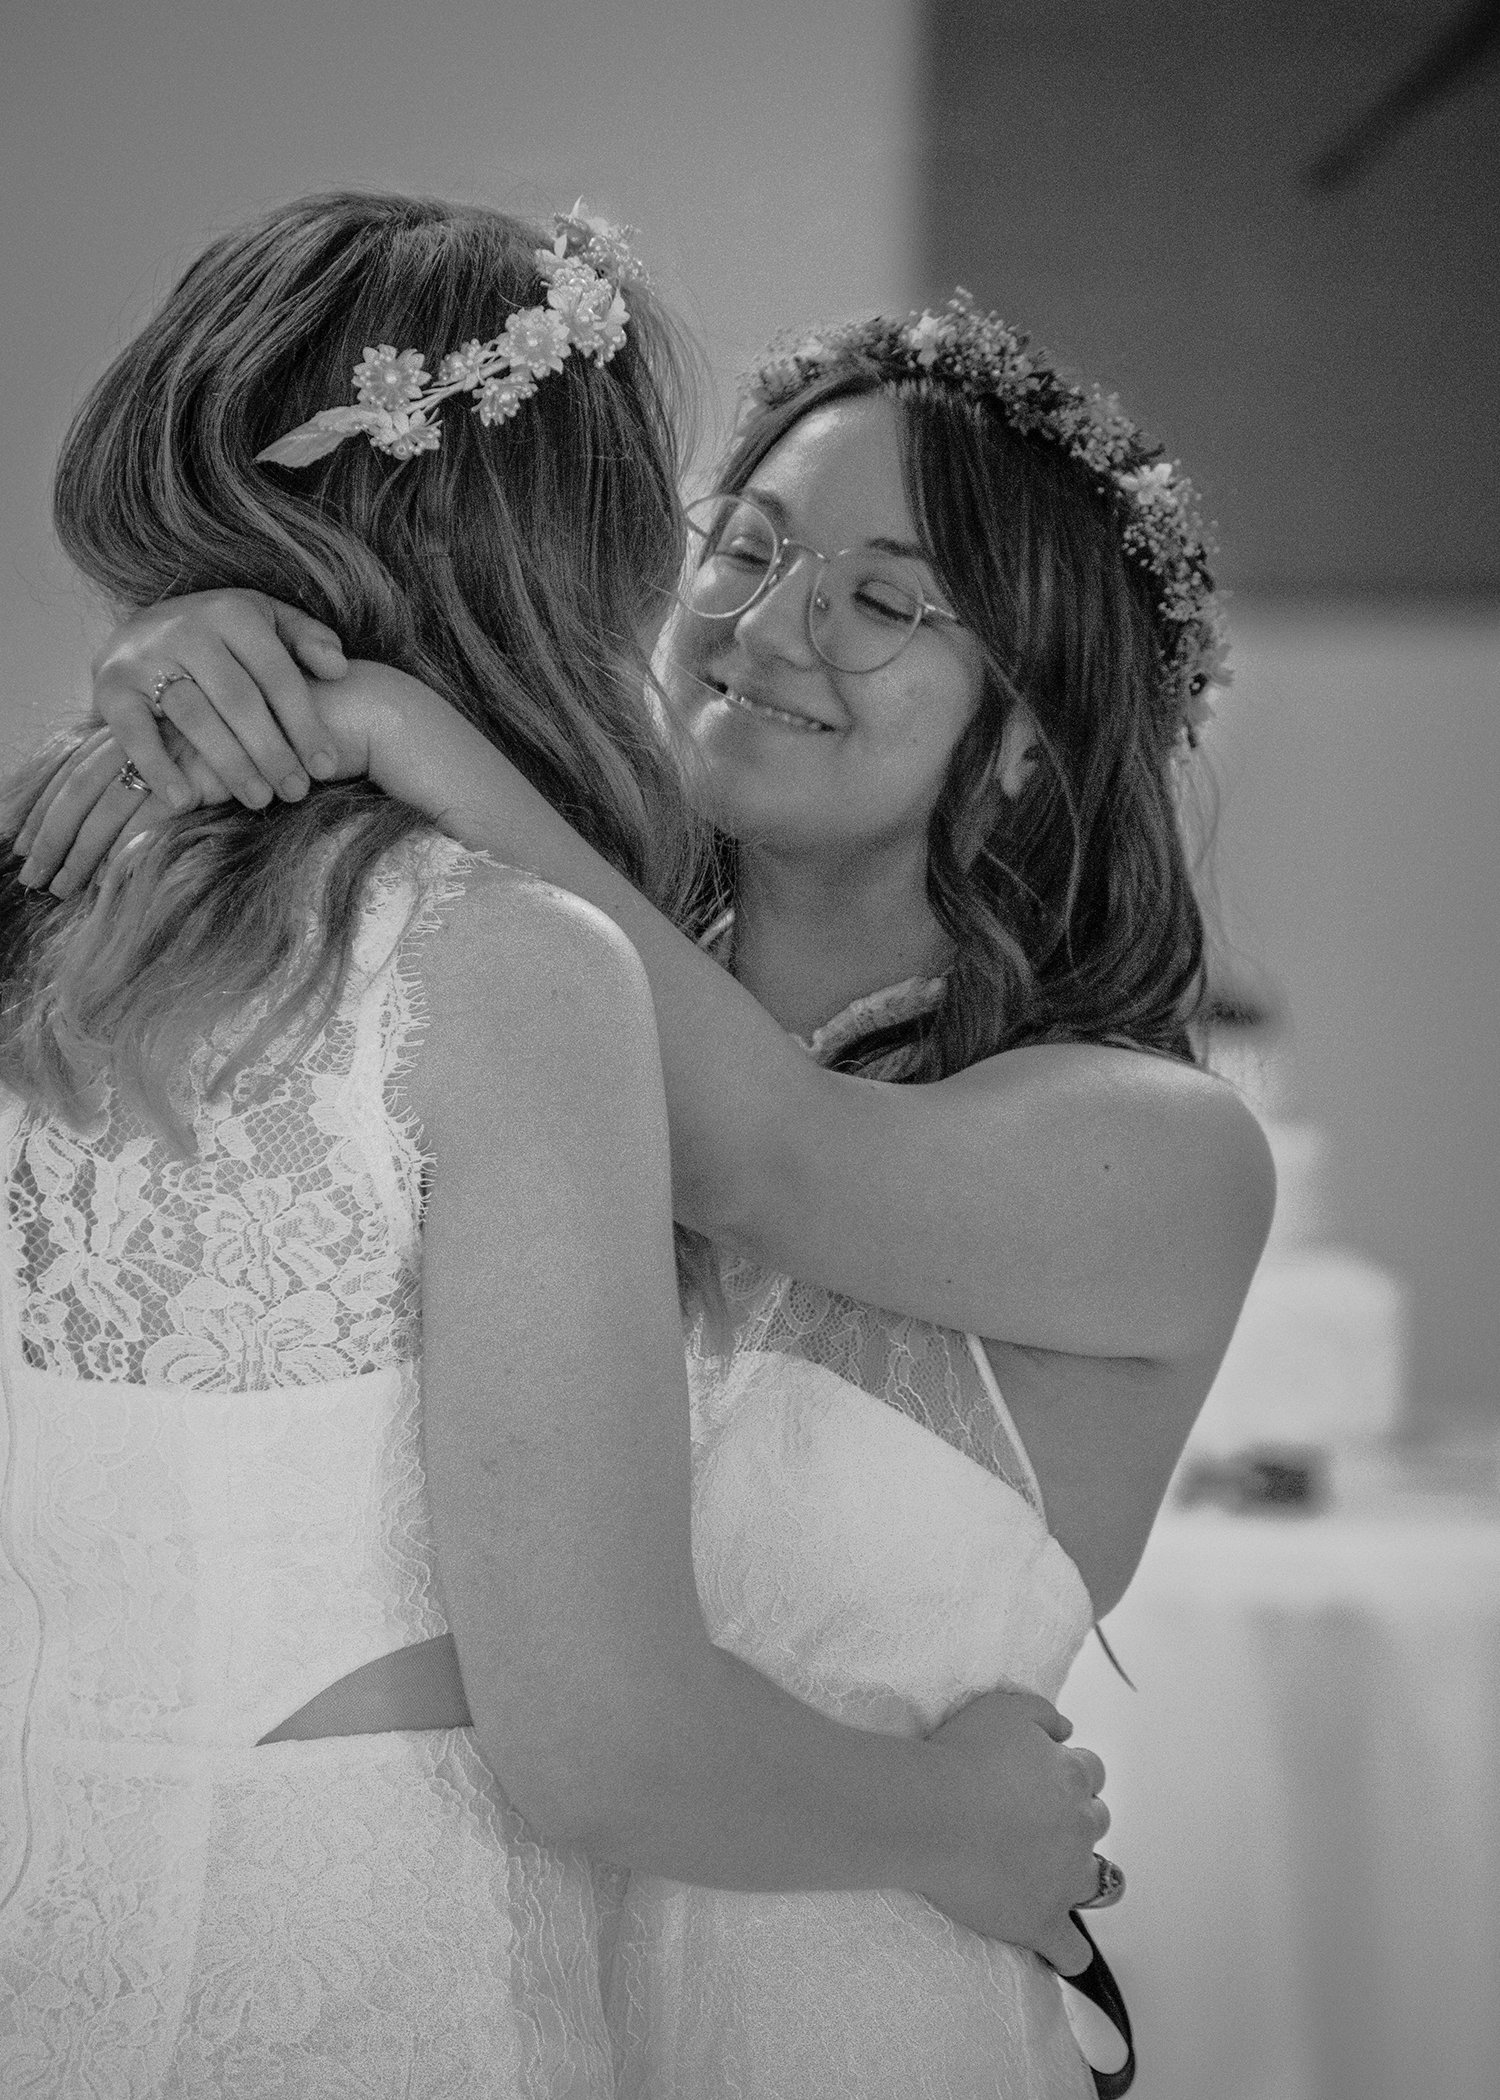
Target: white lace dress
x=869 y=1532
x=213 y=1506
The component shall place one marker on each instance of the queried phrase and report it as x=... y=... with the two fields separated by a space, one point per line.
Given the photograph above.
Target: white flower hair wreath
x=395 y=393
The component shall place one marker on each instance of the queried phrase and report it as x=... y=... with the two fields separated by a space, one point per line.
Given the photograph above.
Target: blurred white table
x=1306 y=1798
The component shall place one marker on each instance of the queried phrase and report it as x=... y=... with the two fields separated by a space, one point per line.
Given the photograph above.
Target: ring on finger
x=1109 y=1886
x=159 y=685
x=130 y=776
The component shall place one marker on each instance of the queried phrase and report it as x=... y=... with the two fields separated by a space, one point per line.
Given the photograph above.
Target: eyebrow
x=780 y=516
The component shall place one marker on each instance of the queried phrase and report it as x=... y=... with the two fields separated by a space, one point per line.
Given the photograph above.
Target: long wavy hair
x=516 y=571
x=1071 y=908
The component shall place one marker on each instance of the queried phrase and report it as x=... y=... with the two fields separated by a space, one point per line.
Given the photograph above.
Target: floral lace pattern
x=284 y=1252
x=214 y=1505
x=924 y=1372
x=866 y=1533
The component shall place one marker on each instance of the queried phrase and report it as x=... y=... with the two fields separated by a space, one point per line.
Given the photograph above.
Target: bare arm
x=555 y=1412
x=1074 y=1198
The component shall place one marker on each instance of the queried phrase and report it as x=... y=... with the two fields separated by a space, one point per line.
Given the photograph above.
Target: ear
x=1016 y=761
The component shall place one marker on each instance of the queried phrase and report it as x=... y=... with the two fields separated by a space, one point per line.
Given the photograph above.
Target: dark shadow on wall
x=1131 y=184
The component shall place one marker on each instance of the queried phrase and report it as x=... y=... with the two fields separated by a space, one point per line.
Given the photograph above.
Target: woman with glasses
x=940 y=659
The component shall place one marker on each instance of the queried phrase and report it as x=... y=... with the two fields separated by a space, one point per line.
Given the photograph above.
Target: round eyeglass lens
x=731 y=551
x=864 y=606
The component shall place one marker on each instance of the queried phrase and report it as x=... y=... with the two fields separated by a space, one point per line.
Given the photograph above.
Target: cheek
x=684 y=652
x=925 y=726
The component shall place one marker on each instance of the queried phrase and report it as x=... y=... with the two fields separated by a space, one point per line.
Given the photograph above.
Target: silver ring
x=159 y=685
x=1110 y=1887
x=131 y=776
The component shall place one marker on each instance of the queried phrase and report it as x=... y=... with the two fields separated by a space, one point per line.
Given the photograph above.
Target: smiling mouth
x=771 y=714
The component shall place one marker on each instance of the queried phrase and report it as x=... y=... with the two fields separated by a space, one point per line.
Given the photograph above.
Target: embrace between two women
x=381 y=980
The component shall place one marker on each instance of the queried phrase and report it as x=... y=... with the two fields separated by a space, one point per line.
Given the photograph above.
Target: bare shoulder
x=519 y=917
x=1173 y=1125
x=1212 y=1141
x=519 y=975
x=1159 y=1193
x=508 y=933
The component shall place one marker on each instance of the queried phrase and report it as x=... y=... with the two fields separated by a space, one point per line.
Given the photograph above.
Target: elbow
x=732 y=1201
x=570 y=1800
x=606 y=1800
x=741 y=1178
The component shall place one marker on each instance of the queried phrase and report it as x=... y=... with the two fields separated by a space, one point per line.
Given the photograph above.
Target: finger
x=206 y=782
x=220 y=710
x=1057 y=1725
x=132 y=720
x=316 y=647
x=53 y=786
x=1091 y=1765
x=1067 y=1949
x=96 y=834
x=234 y=646
x=87 y=780
x=270 y=657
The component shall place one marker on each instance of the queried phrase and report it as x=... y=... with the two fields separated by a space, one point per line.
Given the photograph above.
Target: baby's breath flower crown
x=585 y=311
x=1159 y=522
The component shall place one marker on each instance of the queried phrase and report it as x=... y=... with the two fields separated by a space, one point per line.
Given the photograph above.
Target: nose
x=777 y=623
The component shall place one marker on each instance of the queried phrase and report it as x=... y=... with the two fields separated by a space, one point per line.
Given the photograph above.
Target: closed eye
x=886 y=602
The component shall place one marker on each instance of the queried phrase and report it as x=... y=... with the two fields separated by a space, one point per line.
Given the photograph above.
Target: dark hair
x=512 y=570
x=1071 y=907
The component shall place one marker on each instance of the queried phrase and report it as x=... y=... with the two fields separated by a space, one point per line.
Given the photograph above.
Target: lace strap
x=405 y=904
x=991 y=1385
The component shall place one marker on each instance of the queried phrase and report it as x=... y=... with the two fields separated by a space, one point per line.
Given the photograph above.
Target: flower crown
x=1160 y=527
x=584 y=268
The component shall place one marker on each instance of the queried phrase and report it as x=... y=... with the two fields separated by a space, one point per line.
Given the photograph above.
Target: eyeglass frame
x=777 y=573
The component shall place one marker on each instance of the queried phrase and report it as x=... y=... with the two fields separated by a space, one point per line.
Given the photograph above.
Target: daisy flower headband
x=396 y=397
x=1159 y=523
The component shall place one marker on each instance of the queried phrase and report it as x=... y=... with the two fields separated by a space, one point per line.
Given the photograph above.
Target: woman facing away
x=315 y=1102
x=942 y=649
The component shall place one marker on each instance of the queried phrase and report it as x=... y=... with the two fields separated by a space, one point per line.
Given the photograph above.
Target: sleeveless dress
x=869 y=1532
x=213 y=1506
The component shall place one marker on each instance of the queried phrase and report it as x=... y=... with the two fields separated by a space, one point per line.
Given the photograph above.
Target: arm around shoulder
x=1076 y=1197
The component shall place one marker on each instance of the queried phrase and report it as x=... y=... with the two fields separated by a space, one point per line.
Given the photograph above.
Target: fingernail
x=256 y=794
x=293 y=786
x=27 y=876
x=179 y=796
x=323 y=764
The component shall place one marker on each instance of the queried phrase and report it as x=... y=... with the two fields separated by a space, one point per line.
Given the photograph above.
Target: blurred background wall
x=1148 y=188
x=1128 y=181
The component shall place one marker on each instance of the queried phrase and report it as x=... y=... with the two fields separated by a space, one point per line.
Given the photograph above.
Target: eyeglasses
x=863 y=610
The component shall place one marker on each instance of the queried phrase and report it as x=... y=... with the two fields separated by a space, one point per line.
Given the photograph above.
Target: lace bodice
x=283 y=1252
x=867 y=1531
x=213 y=1506
x=932 y=1375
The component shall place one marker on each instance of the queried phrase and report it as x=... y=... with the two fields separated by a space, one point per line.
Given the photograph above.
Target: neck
x=812 y=935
